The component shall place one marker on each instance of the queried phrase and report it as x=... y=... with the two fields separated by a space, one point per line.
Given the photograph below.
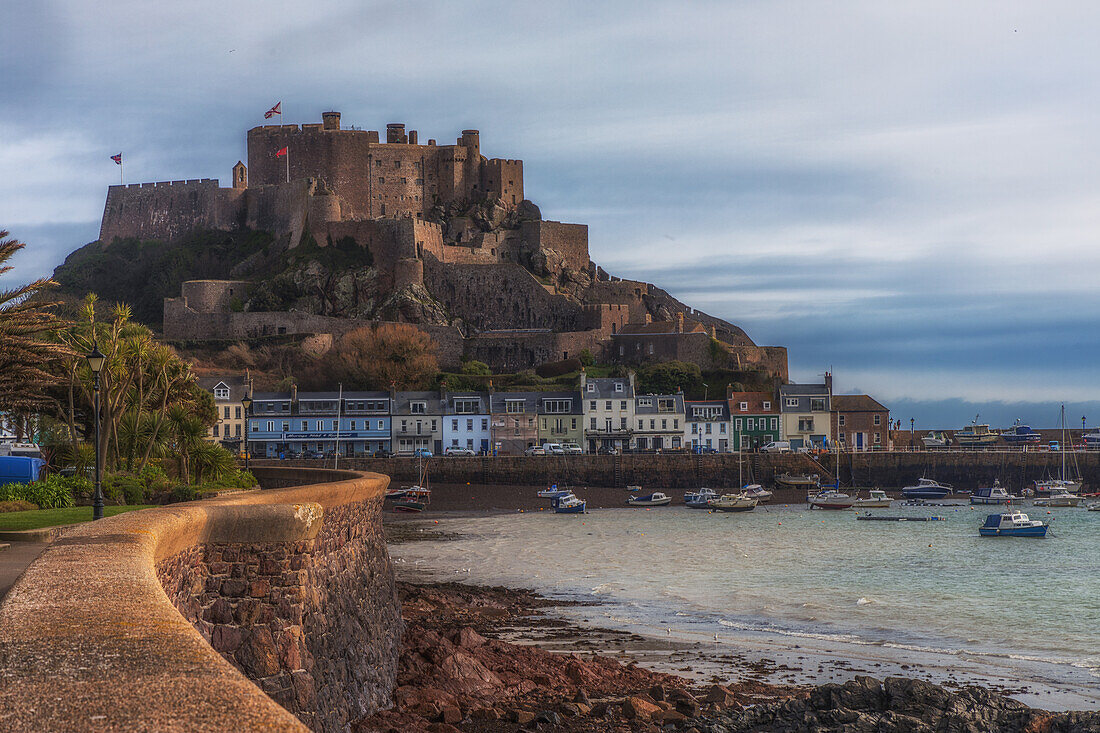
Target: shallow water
x=934 y=592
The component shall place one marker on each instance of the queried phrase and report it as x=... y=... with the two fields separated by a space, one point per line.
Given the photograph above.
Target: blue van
x=20 y=469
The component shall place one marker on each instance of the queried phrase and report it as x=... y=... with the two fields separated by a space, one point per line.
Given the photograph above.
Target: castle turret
x=330 y=120
x=395 y=133
x=240 y=175
x=471 y=170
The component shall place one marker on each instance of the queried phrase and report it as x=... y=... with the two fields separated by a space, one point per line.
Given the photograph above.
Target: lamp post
x=95 y=363
x=246 y=403
x=912 y=436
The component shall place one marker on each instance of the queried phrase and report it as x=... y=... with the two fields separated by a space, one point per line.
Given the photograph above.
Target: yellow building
x=228 y=391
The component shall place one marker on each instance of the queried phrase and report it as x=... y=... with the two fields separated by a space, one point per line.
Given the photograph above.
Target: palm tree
x=187 y=432
x=28 y=349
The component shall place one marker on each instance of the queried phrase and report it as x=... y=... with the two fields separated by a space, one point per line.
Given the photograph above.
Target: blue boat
x=994 y=494
x=926 y=488
x=1021 y=435
x=700 y=499
x=570 y=505
x=654 y=499
x=1012 y=525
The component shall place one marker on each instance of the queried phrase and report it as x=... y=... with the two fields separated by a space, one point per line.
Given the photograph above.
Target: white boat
x=733 y=503
x=654 y=499
x=633 y=488
x=994 y=494
x=926 y=488
x=877 y=500
x=553 y=493
x=1061 y=485
x=976 y=435
x=798 y=480
x=758 y=492
x=570 y=505
x=1059 y=498
x=700 y=499
x=1012 y=525
x=830 y=499
x=1094 y=507
x=935 y=439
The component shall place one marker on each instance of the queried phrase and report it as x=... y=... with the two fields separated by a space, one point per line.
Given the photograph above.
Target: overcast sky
x=904 y=192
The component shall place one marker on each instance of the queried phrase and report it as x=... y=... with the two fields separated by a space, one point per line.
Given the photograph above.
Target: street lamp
x=95 y=363
x=912 y=437
x=246 y=403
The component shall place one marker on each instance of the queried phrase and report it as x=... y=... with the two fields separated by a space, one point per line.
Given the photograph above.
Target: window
x=353 y=425
x=622 y=423
x=433 y=426
x=381 y=180
x=622 y=405
x=618 y=386
x=878 y=420
x=454 y=425
x=396 y=164
x=722 y=428
x=513 y=406
x=556 y=406
x=817 y=404
x=485 y=423
x=707 y=431
x=237 y=413
x=221 y=392
x=651 y=348
x=591 y=387
x=840 y=421
x=593 y=425
x=380 y=424
x=216 y=430
x=805 y=424
x=641 y=424
x=666 y=405
x=645 y=402
x=466 y=407
x=752 y=423
x=767 y=406
x=592 y=405
x=255 y=427
x=227 y=412
x=694 y=428
x=775 y=423
x=675 y=423
x=418 y=408
x=305 y=425
x=335 y=425
x=237 y=430
x=607 y=405
x=652 y=424
x=878 y=438
x=744 y=406
x=286 y=426
x=737 y=424
x=470 y=425
x=271 y=426
x=791 y=402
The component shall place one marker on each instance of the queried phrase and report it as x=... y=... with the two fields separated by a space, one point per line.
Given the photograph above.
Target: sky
x=903 y=193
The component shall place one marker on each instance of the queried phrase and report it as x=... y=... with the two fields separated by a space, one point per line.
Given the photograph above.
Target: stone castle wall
x=569 y=240
x=517 y=351
x=168 y=209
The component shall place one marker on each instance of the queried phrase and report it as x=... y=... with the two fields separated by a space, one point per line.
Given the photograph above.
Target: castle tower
x=240 y=175
x=471 y=172
x=330 y=120
x=395 y=133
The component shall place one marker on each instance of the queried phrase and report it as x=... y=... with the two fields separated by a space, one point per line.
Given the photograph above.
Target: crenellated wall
x=183 y=617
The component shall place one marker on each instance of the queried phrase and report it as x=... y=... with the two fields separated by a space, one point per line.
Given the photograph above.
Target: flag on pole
x=273 y=111
x=117 y=158
x=281 y=152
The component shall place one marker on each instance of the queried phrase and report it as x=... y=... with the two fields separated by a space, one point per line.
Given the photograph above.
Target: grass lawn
x=52 y=517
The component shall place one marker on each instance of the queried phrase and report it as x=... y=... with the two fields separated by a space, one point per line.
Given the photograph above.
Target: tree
x=376 y=358
x=476 y=368
x=29 y=352
x=670 y=377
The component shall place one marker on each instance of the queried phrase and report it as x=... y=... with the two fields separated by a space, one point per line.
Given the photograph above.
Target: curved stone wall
x=182 y=617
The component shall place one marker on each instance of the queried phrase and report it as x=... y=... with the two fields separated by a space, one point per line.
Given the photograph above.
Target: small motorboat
x=1012 y=525
x=994 y=494
x=733 y=503
x=654 y=499
x=570 y=505
x=976 y=435
x=877 y=500
x=935 y=439
x=926 y=488
x=632 y=488
x=412 y=500
x=800 y=480
x=554 y=493
x=1059 y=498
x=700 y=499
x=1093 y=507
x=830 y=499
x=1020 y=434
x=758 y=492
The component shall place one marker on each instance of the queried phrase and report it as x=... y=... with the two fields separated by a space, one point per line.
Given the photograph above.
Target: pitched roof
x=237 y=384
x=857 y=403
x=660 y=327
x=755 y=402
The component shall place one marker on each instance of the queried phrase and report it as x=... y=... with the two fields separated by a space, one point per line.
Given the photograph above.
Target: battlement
x=205 y=182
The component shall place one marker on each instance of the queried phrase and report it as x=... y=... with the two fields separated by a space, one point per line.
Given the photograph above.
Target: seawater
x=934 y=588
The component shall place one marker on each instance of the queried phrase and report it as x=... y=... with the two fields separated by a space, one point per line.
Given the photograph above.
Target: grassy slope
x=11 y=521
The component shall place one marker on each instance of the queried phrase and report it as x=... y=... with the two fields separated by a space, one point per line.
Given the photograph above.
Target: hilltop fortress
x=435 y=235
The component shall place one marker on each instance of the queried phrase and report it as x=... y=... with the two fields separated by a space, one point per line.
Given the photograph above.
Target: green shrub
x=54 y=492
x=475 y=367
x=184 y=493
x=586 y=358
x=130 y=489
x=17 y=506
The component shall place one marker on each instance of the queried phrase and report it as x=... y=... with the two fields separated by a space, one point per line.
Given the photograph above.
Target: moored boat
x=758 y=492
x=655 y=499
x=570 y=505
x=554 y=492
x=976 y=435
x=1015 y=524
x=878 y=499
x=994 y=494
x=935 y=439
x=412 y=500
x=800 y=480
x=733 y=503
x=830 y=499
x=1059 y=498
x=633 y=488
x=700 y=499
x=926 y=488
x=1056 y=485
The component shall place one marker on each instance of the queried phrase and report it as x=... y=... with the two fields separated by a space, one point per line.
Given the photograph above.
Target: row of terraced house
x=603 y=415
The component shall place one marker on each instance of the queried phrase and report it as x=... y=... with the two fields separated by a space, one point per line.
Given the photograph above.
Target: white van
x=777 y=446
x=552 y=449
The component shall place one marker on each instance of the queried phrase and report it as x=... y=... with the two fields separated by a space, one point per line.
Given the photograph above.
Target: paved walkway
x=14 y=560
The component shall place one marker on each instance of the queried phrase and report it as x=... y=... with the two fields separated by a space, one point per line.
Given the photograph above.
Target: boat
x=700 y=499
x=654 y=499
x=976 y=435
x=936 y=439
x=1092 y=440
x=733 y=503
x=926 y=488
x=830 y=499
x=877 y=500
x=1094 y=507
x=758 y=492
x=414 y=499
x=798 y=480
x=1020 y=434
x=994 y=494
x=633 y=487
x=1059 y=498
x=1012 y=525
x=570 y=505
x=1061 y=485
x=553 y=492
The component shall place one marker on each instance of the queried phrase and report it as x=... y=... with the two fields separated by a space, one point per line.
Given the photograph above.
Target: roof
x=660 y=328
x=803 y=389
x=452 y=397
x=530 y=400
x=651 y=409
x=237 y=384
x=577 y=406
x=857 y=403
x=400 y=405
x=605 y=388
x=756 y=402
x=722 y=416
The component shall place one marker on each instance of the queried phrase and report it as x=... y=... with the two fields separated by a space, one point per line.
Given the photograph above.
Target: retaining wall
x=183 y=617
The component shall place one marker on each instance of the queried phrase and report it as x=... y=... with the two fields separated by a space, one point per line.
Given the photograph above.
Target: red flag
x=273 y=111
x=281 y=152
x=117 y=158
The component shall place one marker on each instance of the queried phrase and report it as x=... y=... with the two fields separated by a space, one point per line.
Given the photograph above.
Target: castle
x=453 y=246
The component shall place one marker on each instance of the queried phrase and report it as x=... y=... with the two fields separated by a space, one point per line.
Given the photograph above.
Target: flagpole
x=121 y=177
x=288 y=164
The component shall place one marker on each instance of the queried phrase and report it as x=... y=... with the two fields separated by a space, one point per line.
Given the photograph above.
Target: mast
x=1063 y=444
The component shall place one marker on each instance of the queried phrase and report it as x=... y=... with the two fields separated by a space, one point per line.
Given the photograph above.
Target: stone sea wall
x=964 y=470
x=272 y=610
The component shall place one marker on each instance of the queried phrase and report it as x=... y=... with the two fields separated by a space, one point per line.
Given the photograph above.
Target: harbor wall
x=888 y=470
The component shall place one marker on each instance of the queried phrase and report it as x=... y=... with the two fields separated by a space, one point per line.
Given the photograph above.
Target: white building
x=608 y=412
x=708 y=426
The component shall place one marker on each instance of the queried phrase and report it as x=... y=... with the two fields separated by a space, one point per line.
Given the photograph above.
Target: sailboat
x=415 y=499
x=1061 y=490
x=830 y=497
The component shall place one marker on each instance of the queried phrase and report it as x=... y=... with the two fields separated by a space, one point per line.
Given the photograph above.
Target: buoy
x=929 y=544
x=780 y=524
x=437 y=521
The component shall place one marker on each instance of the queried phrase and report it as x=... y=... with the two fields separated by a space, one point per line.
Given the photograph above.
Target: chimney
x=293 y=393
x=829 y=382
x=395 y=132
x=330 y=120
x=431 y=141
x=412 y=137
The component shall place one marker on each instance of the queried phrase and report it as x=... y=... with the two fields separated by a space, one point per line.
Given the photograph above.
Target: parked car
x=1055 y=445
x=422 y=453
x=380 y=453
x=535 y=450
x=607 y=451
x=571 y=448
x=777 y=446
x=703 y=449
x=552 y=448
x=457 y=450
